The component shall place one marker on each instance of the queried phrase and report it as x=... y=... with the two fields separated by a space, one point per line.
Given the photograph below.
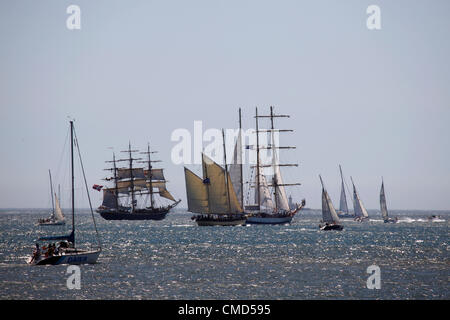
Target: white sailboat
x=360 y=211
x=330 y=218
x=383 y=206
x=66 y=252
x=56 y=218
x=343 y=211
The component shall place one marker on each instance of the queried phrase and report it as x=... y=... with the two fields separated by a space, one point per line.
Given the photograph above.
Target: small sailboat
x=360 y=211
x=343 y=211
x=330 y=218
x=56 y=218
x=66 y=252
x=213 y=198
x=383 y=207
x=131 y=183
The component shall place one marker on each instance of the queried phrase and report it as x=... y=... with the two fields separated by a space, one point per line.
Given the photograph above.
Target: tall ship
x=360 y=211
x=343 y=211
x=271 y=205
x=213 y=197
x=137 y=190
x=330 y=219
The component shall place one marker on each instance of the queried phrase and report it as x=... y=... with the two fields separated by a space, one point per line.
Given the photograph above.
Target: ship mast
x=275 y=183
x=73 y=183
x=241 y=168
x=150 y=173
x=258 y=194
x=131 y=159
x=226 y=172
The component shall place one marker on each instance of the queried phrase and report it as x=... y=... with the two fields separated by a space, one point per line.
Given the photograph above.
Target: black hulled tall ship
x=138 y=191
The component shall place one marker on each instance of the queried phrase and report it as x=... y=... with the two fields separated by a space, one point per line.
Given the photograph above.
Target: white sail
x=264 y=193
x=329 y=214
x=360 y=211
x=383 y=206
x=235 y=169
x=281 y=198
x=343 y=200
x=157 y=174
x=58 y=212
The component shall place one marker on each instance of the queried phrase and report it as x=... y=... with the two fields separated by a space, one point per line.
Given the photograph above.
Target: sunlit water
x=175 y=259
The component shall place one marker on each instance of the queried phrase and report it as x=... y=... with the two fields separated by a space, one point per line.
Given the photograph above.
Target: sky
x=375 y=101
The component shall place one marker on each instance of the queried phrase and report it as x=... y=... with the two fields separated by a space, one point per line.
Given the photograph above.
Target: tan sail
x=197 y=195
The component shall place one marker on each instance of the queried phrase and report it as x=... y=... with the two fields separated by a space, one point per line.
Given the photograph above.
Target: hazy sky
x=377 y=102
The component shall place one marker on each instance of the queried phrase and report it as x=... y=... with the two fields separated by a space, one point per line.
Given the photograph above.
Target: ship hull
x=52 y=223
x=329 y=227
x=79 y=257
x=269 y=220
x=389 y=220
x=204 y=221
x=150 y=215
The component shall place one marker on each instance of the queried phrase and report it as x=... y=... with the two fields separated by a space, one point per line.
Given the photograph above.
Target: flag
x=97 y=187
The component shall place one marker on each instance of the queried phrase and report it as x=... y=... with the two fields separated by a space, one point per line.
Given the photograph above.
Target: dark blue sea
x=175 y=259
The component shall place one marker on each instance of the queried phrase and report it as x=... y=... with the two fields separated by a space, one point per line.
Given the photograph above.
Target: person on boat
x=36 y=253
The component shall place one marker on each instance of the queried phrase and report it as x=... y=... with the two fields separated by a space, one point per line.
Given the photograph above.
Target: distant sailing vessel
x=56 y=218
x=213 y=197
x=131 y=184
x=66 y=252
x=268 y=210
x=360 y=212
x=343 y=207
x=383 y=207
x=330 y=218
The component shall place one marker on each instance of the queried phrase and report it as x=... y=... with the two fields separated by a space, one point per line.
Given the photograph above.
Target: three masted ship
x=133 y=194
x=271 y=204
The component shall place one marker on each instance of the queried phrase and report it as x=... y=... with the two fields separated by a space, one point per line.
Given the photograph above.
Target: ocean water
x=175 y=259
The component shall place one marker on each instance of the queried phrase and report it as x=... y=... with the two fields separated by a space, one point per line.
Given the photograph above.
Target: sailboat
x=343 y=211
x=213 y=197
x=131 y=183
x=268 y=209
x=330 y=218
x=66 y=251
x=383 y=207
x=56 y=218
x=360 y=212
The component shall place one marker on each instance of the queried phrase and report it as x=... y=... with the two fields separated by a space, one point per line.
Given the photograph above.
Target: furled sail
x=360 y=211
x=235 y=169
x=58 y=212
x=383 y=206
x=196 y=193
